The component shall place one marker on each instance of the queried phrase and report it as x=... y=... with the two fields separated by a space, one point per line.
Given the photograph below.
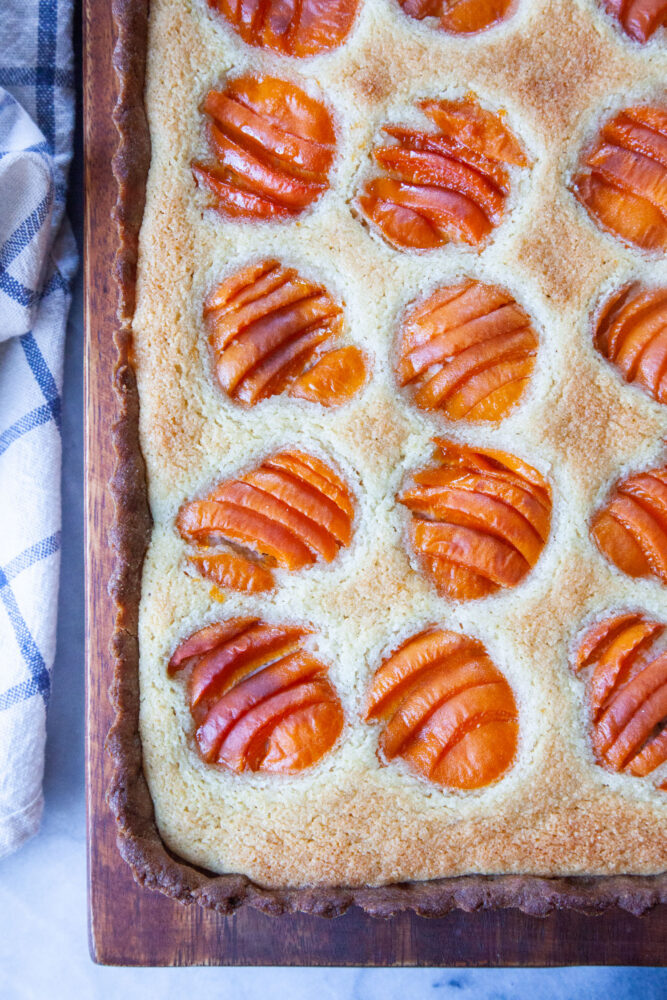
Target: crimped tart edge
x=138 y=839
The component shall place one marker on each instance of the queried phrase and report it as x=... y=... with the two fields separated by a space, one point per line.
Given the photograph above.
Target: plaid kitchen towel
x=37 y=261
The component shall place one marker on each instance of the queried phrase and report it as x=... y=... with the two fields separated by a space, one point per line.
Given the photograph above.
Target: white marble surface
x=43 y=936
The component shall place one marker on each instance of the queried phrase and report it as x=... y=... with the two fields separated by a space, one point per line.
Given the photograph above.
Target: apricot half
x=480 y=520
x=290 y=511
x=449 y=185
x=271 y=331
x=460 y=17
x=640 y=19
x=623 y=177
x=273 y=146
x=259 y=700
x=468 y=352
x=297 y=28
x=632 y=334
x=631 y=529
x=446 y=710
x=627 y=692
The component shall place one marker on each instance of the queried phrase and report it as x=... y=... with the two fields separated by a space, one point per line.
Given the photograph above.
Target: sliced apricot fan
x=259 y=700
x=631 y=529
x=273 y=146
x=460 y=17
x=632 y=334
x=479 y=520
x=446 y=710
x=627 y=692
x=298 y=28
x=449 y=185
x=290 y=511
x=468 y=352
x=623 y=177
x=271 y=331
x=640 y=19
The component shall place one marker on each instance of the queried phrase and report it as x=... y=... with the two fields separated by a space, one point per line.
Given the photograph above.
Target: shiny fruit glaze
x=640 y=19
x=297 y=28
x=273 y=146
x=632 y=334
x=480 y=520
x=444 y=186
x=271 y=331
x=259 y=700
x=623 y=177
x=627 y=692
x=446 y=710
x=468 y=352
x=631 y=529
x=291 y=511
x=460 y=17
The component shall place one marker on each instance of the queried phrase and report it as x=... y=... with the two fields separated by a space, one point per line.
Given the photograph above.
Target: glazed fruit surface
x=627 y=693
x=631 y=528
x=259 y=700
x=297 y=28
x=460 y=17
x=467 y=351
x=640 y=19
x=480 y=519
x=632 y=333
x=446 y=710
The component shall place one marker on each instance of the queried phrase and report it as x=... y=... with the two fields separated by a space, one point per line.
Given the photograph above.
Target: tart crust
x=155 y=857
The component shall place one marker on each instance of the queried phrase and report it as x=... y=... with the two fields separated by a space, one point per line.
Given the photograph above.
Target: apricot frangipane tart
x=460 y=17
x=626 y=673
x=480 y=519
x=631 y=528
x=640 y=19
x=631 y=333
x=298 y=28
x=258 y=699
x=273 y=147
x=445 y=186
x=271 y=331
x=290 y=511
x=467 y=352
x=623 y=177
x=446 y=710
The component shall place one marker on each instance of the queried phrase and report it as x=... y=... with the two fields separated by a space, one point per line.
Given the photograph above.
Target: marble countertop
x=43 y=934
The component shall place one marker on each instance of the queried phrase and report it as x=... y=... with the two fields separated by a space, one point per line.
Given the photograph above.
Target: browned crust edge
x=128 y=796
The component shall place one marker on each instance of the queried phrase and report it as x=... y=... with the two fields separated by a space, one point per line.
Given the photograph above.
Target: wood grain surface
x=130 y=925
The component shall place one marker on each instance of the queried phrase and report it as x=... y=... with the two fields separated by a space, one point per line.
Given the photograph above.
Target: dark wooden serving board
x=130 y=925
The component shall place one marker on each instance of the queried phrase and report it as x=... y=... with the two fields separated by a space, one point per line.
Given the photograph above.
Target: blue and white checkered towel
x=37 y=261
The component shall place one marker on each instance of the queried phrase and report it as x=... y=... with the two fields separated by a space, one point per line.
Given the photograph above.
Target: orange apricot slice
x=623 y=177
x=631 y=528
x=627 y=692
x=632 y=334
x=640 y=19
x=273 y=146
x=480 y=520
x=298 y=28
x=449 y=185
x=271 y=330
x=259 y=700
x=460 y=17
x=446 y=710
x=467 y=352
x=290 y=511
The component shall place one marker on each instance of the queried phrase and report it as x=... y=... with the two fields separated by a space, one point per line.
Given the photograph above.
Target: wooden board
x=134 y=926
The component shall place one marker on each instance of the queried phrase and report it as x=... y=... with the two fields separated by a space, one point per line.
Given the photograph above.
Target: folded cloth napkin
x=37 y=262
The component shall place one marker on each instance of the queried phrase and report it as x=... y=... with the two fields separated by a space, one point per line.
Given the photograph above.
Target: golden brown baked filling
x=467 y=351
x=444 y=186
x=631 y=529
x=289 y=512
x=627 y=693
x=271 y=331
x=259 y=700
x=273 y=146
x=480 y=519
x=632 y=333
x=297 y=28
x=446 y=710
